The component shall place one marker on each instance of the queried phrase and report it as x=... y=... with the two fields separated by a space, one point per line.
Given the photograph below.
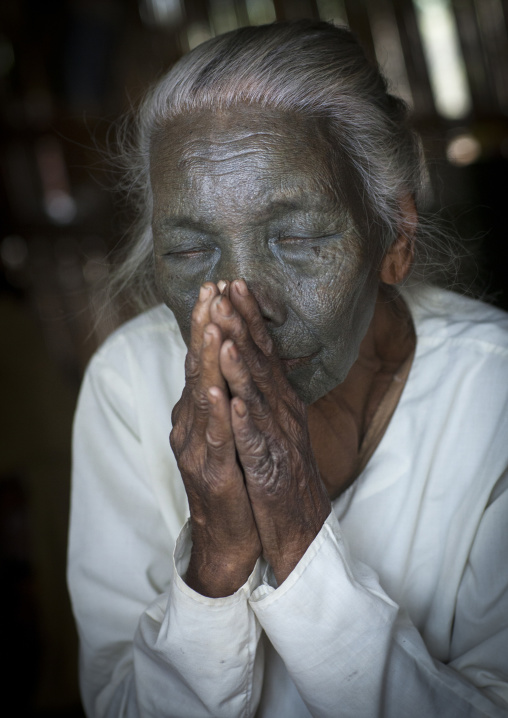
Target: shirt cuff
x=183 y=630
x=330 y=628
x=268 y=584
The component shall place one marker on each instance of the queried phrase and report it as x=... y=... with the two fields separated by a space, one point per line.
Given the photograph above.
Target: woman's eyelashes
x=309 y=248
x=191 y=251
x=294 y=238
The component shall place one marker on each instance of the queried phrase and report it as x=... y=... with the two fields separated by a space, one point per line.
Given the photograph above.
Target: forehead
x=260 y=149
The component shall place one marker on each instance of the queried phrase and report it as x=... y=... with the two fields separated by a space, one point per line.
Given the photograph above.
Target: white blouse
x=399 y=608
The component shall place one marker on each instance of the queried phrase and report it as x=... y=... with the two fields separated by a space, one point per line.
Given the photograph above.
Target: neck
x=348 y=410
x=389 y=341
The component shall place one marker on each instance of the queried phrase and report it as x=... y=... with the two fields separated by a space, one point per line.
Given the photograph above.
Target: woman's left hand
x=269 y=420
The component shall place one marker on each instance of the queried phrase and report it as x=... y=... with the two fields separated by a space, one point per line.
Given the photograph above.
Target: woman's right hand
x=225 y=540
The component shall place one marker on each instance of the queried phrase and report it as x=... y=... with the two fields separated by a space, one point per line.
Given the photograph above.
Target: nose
x=273 y=308
x=261 y=278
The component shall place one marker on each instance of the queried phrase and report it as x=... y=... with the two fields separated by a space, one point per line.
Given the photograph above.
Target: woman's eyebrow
x=293 y=204
x=266 y=210
x=181 y=222
x=303 y=201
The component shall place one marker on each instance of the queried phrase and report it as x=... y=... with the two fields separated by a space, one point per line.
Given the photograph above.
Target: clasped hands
x=242 y=445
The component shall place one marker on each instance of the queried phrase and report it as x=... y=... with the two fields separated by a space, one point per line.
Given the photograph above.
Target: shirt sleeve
x=351 y=650
x=149 y=645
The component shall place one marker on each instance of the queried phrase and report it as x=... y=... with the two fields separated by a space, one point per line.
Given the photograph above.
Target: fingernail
x=207 y=338
x=204 y=293
x=213 y=394
x=241 y=287
x=221 y=285
x=240 y=408
x=232 y=351
x=225 y=307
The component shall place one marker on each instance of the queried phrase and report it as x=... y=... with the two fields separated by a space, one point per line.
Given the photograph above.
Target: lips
x=293 y=363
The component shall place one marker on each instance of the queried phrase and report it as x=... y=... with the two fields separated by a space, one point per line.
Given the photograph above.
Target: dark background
x=68 y=70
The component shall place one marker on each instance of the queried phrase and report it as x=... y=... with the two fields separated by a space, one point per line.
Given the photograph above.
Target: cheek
x=352 y=308
x=177 y=294
x=340 y=295
x=343 y=310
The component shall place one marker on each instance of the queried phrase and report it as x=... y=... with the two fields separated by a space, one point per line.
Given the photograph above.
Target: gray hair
x=307 y=67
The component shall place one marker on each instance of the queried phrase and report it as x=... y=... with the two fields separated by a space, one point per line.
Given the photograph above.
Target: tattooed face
x=251 y=192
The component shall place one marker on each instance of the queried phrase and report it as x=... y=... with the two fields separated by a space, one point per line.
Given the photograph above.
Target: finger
x=220 y=444
x=234 y=327
x=210 y=372
x=177 y=434
x=209 y=375
x=199 y=319
x=247 y=306
x=252 y=448
x=242 y=385
x=223 y=285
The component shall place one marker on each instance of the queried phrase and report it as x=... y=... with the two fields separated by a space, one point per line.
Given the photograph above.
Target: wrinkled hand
x=242 y=444
x=269 y=425
x=224 y=536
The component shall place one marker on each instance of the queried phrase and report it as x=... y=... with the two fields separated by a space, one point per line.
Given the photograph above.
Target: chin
x=312 y=385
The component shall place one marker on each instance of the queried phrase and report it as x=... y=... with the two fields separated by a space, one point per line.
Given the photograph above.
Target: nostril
x=271 y=305
x=270 y=321
x=272 y=309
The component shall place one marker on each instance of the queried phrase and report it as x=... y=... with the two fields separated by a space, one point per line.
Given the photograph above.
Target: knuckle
x=273 y=476
x=190 y=463
x=253 y=445
x=250 y=393
x=177 y=410
x=238 y=329
x=257 y=324
x=265 y=343
x=196 y=314
x=177 y=439
x=264 y=372
x=261 y=369
x=261 y=414
x=264 y=473
x=180 y=412
x=200 y=400
x=173 y=439
x=176 y=429
x=215 y=441
x=191 y=367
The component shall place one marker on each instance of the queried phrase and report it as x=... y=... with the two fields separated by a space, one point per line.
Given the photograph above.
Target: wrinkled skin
x=247 y=463
x=249 y=194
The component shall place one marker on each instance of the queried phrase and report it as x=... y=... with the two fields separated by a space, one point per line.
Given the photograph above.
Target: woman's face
x=250 y=192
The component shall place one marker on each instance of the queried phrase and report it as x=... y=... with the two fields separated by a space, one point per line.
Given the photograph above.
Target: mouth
x=290 y=364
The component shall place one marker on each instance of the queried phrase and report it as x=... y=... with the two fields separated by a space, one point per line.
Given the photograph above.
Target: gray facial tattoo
x=250 y=192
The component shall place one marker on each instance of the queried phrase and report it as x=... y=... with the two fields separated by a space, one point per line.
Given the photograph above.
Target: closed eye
x=283 y=239
x=188 y=253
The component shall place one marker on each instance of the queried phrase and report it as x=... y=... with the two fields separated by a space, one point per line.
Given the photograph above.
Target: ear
x=398 y=259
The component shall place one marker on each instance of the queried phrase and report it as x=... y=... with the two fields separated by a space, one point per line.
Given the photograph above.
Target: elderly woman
x=327 y=534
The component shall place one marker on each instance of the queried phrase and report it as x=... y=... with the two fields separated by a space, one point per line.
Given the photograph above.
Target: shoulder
x=456 y=399
x=443 y=316
x=462 y=349
x=139 y=369
x=462 y=355
x=145 y=343
x=152 y=330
